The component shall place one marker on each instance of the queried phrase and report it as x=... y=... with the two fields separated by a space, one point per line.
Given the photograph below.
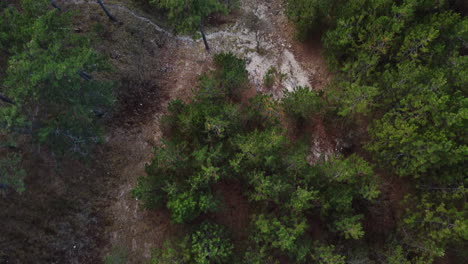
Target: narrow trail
x=149 y=21
x=255 y=36
x=135 y=15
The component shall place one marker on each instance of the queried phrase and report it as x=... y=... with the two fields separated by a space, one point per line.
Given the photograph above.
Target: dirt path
x=131 y=148
x=156 y=66
x=261 y=34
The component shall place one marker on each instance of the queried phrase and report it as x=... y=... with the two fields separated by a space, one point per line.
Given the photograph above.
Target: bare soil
x=131 y=147
x=234 y=211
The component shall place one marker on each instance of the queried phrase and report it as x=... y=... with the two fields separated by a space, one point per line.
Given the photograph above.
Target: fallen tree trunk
x=52 y=2
x=85 y=75
x=204 y=37
x=6 y=99
x=111 y=17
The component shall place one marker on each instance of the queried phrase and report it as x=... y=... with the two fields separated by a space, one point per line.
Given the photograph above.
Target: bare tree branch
x=111 y=17
x=6 y=99
x=52 y=2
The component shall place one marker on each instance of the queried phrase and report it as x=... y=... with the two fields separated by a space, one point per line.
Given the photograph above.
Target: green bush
x=261 y=113
x=301 y=103
x=177 y=252
x=283 y=233
x=197 y=146
x=188 y=17
x=53 y=102
x=207 y=244
x=269 y=78
x=401 y=65
x=324 y=254
x=211 y=245
x=231 y=73
x=309 y=15
x=211 y=140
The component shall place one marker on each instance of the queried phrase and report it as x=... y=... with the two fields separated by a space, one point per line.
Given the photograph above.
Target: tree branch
x=6 y=99
x=52 y=2
x=111 y=17
x=85 y=75
x=204 y=37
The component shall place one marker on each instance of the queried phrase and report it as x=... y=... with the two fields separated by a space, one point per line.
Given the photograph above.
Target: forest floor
x=82 y=215
x=258 y=32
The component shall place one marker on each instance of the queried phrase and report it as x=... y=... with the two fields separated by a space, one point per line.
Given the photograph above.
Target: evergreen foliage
x=301 y=103
x=173 y=253
x=399 y=66
x=187 y=16
x=208 y=243
x=54 y=97
x=46 y=53
x=211 y=140
x=211 y=245
x=403 y=65
x=309 y=15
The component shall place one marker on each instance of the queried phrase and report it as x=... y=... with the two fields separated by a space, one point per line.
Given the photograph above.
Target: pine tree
x=48 y=93
x=48 y=78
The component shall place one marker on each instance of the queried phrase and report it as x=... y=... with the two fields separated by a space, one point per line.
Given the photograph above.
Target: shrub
x=324 y=254
x=231 y=73
x=269 y=78
x=118 y=255
x=261 y=113
x=212 y=141
x=301 y=103
x=173 y=253
x=210 y=244
x=48 y=78
x=207 y=244
x=309 y=15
